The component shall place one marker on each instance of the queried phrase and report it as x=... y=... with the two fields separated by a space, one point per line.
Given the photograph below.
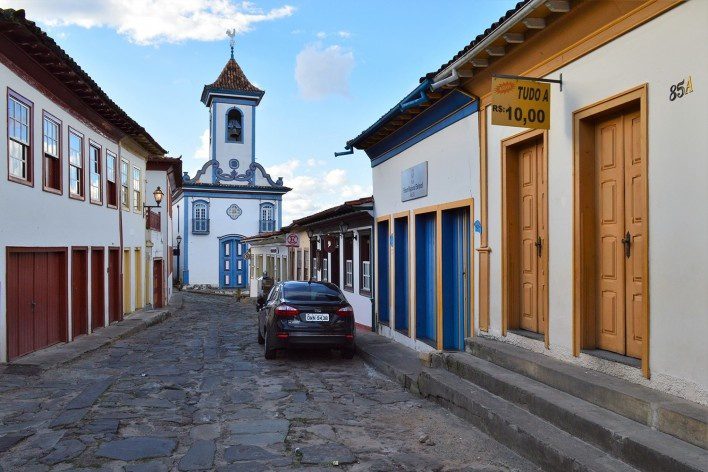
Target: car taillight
x=286 y=311
x=346 y=311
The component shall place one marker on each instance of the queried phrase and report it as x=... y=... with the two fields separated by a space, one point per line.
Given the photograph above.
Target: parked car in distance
x=305 y=314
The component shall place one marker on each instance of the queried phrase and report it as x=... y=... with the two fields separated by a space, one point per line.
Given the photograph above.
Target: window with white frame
x=95 y=180
x=76 y=165
x=111 y=179
x=124 y=185
x=325 y=269
x=349 y=262
x=267 y=222
x=137 y=190
x=51 y=136
x=366 y=276
x=19 y=119
x=200 y=218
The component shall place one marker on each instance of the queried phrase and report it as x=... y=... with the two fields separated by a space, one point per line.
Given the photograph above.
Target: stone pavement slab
x=199 y=457
x=137 y=448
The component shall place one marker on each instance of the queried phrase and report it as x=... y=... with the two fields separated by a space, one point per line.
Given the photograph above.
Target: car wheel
x=261 y=339
x=269 y=351
x=347 y=353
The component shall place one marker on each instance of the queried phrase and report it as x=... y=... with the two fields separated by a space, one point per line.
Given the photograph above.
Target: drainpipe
x=454 y=77
x=422 y=98
x=349 y=150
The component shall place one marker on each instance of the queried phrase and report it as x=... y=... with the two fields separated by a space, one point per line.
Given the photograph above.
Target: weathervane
x=231 y=33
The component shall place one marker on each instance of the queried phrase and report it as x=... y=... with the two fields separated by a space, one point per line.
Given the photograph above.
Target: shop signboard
x=414 y=182
x=524 y=103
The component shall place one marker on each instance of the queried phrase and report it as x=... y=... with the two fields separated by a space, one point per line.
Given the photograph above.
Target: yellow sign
x=522 y=103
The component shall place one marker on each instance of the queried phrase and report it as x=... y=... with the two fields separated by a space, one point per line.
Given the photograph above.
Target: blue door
x=455 y=277
x=425 y=289
x=233 y=267
x=400 y=250
x=382 y=282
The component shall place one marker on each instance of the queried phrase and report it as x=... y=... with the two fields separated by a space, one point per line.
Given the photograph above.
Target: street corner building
x=333 y=245
x=85 y=239
x=551 y=187
x=231 y=196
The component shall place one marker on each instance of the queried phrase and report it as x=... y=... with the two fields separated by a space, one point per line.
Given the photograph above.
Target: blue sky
x=329 y=69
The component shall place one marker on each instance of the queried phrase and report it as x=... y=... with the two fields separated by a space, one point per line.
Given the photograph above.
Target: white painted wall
x=226 y=151
x=657 y=53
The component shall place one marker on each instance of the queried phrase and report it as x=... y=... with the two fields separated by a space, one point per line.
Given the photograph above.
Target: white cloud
x=202 y=152
x=344 y=34
x=321 y=35
x=148 y=22
x=320 y=71
x=314 y=190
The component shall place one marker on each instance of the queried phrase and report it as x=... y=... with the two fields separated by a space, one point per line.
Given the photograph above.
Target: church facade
x=231 y=196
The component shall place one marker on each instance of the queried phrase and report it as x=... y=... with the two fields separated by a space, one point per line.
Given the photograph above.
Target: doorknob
x=627 y=241
x=539 y=245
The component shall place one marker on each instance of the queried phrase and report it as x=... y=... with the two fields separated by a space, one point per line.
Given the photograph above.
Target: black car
x=306 y=314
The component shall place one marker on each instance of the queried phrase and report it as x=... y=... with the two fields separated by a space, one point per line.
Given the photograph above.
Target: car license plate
x=316 y=317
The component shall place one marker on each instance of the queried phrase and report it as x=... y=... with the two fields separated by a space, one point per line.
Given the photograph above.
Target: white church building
x=231 y=196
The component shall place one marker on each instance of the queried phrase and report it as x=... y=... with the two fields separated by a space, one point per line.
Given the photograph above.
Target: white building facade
x=76 y=248
x=606 y=268
x=232 y=196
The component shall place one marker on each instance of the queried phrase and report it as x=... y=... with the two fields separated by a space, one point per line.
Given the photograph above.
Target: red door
x=97 y=289
x=36 y=300
x=157 y=285
x=114 y=310
x=79 y=292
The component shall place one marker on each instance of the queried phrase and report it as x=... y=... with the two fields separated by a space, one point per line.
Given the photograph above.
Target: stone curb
x=521 y=431
x=65 y=353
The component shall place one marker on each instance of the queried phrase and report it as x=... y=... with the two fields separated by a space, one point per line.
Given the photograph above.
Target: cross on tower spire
x=231 y=33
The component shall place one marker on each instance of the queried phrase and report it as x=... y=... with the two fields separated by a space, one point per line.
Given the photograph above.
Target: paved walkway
x=195 y=393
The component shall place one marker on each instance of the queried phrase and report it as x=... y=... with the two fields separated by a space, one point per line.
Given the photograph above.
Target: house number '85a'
x=681 y=89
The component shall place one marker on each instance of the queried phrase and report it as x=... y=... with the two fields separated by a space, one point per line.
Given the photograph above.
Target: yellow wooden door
x=635 y=220
x=542 y=236
x=127 y=295
x=138 y=279
x=621 y=211
x=528 y=222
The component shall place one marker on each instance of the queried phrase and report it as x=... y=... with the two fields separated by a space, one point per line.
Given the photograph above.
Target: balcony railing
x=153 y=221
x=200 y=226
x=267 y=226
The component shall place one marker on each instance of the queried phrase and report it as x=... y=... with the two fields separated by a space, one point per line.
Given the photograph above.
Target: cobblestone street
x=195 y=393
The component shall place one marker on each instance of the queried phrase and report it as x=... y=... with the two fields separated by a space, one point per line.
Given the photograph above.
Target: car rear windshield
x=310 y=292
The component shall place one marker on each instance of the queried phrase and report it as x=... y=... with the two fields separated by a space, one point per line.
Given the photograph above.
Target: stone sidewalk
x=196 y=393
x=63 y=353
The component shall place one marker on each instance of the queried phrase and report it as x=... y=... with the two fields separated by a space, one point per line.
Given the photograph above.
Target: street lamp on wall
x=157 y=194
x=343 y=228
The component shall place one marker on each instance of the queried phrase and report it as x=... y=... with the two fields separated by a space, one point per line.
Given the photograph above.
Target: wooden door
x=157 y=285
x=620 y=209
x=635 y=224
x=36 y=300
x=140 y=278
x=114 y=309
x=97 y=289
x=533 y=265
x=79 y=292
x=127 y=292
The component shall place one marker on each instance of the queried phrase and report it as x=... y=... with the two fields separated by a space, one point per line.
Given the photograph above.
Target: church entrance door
x=233 y=268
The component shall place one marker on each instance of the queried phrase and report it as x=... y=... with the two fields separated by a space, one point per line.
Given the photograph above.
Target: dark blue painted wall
x=400 y=227
x=425 y=289
x=382 y=259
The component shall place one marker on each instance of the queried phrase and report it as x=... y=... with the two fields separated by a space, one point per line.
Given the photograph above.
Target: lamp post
x=179 y=274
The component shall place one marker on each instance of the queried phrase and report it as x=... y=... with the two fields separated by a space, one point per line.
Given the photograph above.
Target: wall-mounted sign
x=477 y=226
x=292 y=240
x=414 y=182
x=520 y=102
x=234 y=211
x=274 y=250
x=330 y=243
